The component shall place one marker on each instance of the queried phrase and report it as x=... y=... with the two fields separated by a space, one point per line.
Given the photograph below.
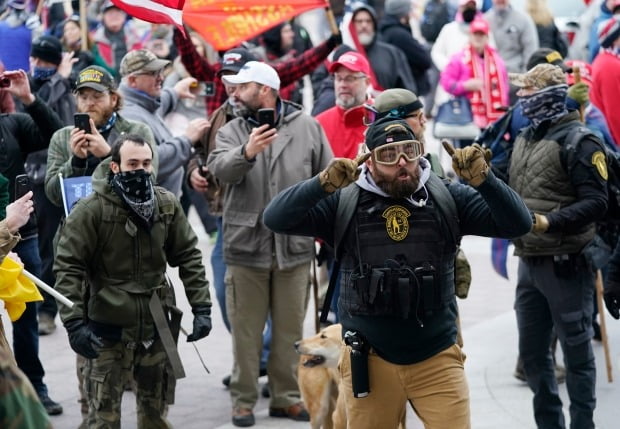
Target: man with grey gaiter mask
x=562 y=180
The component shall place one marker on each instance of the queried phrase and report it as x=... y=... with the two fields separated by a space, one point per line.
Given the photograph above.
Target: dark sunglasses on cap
x=389 y=154
x=371 y=114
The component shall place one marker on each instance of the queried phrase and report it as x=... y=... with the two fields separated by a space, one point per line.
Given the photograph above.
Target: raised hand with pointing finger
x=341 y=172
x=468 y=163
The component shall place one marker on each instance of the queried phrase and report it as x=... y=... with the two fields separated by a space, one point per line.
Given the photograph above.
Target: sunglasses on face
x=390 y=153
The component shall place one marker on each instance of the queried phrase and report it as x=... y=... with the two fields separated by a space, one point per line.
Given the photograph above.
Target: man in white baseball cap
x=254 y=71
x=271 y=146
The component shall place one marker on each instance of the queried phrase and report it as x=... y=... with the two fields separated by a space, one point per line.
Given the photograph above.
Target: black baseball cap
x=95 y=77
x=547 y=56
x=388 y=130
x=235 y=58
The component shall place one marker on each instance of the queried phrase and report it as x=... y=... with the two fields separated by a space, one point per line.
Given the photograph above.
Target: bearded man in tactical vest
x=562 y=180
x=395 y=231
x=111 y=262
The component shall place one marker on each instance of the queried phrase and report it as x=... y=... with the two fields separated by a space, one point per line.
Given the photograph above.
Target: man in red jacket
x=344 y=123
x=605 y=91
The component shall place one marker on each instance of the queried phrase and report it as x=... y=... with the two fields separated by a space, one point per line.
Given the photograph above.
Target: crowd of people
x=159 y=120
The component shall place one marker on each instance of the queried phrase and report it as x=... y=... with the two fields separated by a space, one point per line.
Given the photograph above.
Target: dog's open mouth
x=314 y=360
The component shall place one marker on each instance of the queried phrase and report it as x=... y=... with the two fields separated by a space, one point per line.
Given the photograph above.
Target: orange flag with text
x=225 y=23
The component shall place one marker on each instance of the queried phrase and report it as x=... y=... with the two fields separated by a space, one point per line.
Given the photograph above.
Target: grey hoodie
x=173 y=152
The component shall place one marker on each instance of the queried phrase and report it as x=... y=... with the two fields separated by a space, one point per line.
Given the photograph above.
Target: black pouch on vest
x=563 y=266
x=429 y=290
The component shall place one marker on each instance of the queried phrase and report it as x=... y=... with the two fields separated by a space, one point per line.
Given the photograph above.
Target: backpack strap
x=573 y=137
x=166 y=205
x=344 y=213
x=347 y=204
x=446 y=205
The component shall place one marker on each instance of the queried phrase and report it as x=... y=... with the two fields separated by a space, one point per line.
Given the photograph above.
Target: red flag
x=226 y=23
x=156 y=11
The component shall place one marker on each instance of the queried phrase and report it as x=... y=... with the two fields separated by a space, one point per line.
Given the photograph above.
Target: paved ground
x=497 y=399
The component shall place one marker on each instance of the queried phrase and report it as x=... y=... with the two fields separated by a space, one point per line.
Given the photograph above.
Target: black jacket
x=550 y=37
x=21 y=134
x=395 y=33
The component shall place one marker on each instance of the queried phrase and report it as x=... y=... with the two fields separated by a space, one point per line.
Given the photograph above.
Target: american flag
x=156 y=11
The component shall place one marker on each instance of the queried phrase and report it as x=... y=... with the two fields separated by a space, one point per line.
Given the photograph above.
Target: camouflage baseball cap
x=539 y=77
x=95 y=77
x=141 y=60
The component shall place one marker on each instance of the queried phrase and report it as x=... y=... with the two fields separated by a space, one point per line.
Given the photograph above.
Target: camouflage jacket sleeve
x=7 y=240
x=18 y=400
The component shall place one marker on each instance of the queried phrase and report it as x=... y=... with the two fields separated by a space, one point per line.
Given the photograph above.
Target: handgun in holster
x=359 y=363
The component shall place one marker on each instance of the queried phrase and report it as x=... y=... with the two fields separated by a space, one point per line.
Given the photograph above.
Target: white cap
x=255 y=71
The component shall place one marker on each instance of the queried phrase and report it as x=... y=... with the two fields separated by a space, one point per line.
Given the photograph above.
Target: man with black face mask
x=113 y=250
x=74 y=152
x=563 y=183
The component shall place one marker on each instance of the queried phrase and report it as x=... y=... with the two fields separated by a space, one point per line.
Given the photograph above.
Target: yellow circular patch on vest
x=598 y=160
x=396 y=222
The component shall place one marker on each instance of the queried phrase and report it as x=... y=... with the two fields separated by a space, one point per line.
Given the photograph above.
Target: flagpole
x=47 y=288
x=83 y=26
x=332 y=20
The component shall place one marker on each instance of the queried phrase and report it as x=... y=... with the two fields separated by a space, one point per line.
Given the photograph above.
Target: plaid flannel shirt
x=289 y=71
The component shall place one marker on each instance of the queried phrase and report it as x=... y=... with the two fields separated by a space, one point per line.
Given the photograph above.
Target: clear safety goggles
x=389 y=154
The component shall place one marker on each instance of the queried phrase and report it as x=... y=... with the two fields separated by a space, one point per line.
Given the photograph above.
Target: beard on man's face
x=101 y=116
x=394 y=186
x=247 y=109
x=366 y=38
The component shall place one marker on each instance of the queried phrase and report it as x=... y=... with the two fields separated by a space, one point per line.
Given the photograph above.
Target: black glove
x=82 y=339
x=335 y=39
x=202 y=323
x=612 y=298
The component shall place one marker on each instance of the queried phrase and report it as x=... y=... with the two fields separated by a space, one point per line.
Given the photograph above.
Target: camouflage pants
x=104 y=381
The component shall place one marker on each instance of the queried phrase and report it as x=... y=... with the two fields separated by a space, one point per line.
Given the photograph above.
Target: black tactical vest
x=398 y=259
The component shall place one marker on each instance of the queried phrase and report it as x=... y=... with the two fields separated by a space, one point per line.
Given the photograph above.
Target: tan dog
x=319 y=379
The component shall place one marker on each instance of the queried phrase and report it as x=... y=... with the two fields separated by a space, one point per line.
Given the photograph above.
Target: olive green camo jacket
x=20 y=407
x=110 y=266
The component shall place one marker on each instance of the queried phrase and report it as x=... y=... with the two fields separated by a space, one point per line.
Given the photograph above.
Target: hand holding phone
x=82 y=121
x=267 y=116
x=22 y=187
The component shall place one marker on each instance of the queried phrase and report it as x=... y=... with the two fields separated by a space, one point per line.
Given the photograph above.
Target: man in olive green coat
x=75 y=152
x=111 y=262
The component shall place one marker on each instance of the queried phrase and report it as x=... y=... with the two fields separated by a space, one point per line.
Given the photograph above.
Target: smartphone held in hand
x=82 y=122
x=267 y=116
x=22 y=187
